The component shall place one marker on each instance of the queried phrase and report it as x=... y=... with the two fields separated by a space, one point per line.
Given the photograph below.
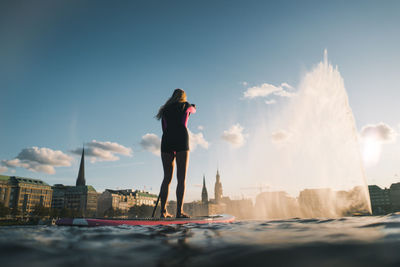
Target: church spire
x=204 y=194
x=81 y=174
x=218 y=188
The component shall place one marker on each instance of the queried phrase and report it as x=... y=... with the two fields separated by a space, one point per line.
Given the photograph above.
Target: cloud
x=280 y=136
x=263 y=90
x=3 y=169
x=266 y=89
x=270 y=102
x=39 y=160
x=245 y=83
x=200 y=127
x=380 y=132
x=286 y=85
x=197 y=139
x=151 y=142
x=235 y=135
x=284 y=93
x=103 y=151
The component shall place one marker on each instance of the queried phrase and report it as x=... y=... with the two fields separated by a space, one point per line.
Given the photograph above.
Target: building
x=123 y=200
x=80 y=198
x=242 y=209
x=24 y=194
x=218 y=189
x=318 y=202
x=58 y=199
x=5 y=190
x=394 y=195
x=274 y=205
x=145 y=198
x=115 y=199
x=196 y=208
x=380 y=199
x=204 y=194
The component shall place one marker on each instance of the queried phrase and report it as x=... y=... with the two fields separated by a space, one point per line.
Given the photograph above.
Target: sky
x=95 y=73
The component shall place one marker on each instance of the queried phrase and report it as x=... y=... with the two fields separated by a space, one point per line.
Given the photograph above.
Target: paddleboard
x=223 y=218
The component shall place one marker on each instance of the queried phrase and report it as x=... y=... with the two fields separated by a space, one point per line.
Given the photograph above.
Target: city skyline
x=95 y=74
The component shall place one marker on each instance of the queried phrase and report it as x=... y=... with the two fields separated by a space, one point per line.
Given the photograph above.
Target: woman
x=174 y=115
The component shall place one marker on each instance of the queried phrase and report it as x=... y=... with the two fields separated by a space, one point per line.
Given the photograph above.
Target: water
x=347 y=241
x=308 y=148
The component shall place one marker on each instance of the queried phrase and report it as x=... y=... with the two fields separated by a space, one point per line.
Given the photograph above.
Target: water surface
x=350 y=241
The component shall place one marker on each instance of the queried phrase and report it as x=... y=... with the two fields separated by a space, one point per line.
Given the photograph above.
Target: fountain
x=309 y=153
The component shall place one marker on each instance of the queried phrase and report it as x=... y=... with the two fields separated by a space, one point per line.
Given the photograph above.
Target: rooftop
x=23 y=180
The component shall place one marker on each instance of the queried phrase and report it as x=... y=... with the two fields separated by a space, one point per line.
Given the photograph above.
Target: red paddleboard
x=223 y=218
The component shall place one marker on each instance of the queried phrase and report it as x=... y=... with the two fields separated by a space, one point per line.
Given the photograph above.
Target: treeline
x=142 y=211
x=42 y=212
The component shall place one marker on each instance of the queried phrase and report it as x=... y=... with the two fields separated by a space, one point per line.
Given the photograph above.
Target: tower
x=204 y=194
x=81 y=175
x=218 y=189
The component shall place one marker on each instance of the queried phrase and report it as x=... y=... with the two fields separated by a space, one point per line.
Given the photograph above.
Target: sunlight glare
x=371 y=151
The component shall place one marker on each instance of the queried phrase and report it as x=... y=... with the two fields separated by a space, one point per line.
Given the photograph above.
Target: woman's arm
x=190 y=109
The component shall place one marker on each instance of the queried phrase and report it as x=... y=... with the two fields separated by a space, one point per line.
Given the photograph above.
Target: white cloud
x=286 y=85
x=197 y=139
x=151 y=142
x=284 y=93
x=270 y=102
x=280 y=136
x=111 y=146
x=245 y=83
x=103 y=151
x=3 y=169
x=266 y=89
x=200 y=127
x=380 y=132
x=235 y=135
x=39 y=160
x=263 y=90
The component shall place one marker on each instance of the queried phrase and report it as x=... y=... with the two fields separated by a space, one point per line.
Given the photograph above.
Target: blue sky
x=76 y=71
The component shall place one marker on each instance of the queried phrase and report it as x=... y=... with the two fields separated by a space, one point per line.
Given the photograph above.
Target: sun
x=371 y=151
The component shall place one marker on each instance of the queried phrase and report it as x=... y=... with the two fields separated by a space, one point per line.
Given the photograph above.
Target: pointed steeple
x=204 y=194
x=81 y=174
x=218 y=188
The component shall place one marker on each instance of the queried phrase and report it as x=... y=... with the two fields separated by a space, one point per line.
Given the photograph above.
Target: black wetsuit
x=175 y=136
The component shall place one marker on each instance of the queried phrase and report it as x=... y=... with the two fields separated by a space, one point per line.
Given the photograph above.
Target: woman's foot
x=165 y=215
x=182 y=215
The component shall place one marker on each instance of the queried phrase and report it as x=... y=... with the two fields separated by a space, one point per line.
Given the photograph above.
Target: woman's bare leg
x=182 y=160
x=168 y=166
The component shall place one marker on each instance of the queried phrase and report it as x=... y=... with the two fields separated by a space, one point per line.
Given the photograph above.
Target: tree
x=4 y=211
x=110 y=213
x=15 y=211
x=41 y=211
x=142 y=211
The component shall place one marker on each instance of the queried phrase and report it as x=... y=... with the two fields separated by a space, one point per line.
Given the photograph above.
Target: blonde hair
x=177 y=96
